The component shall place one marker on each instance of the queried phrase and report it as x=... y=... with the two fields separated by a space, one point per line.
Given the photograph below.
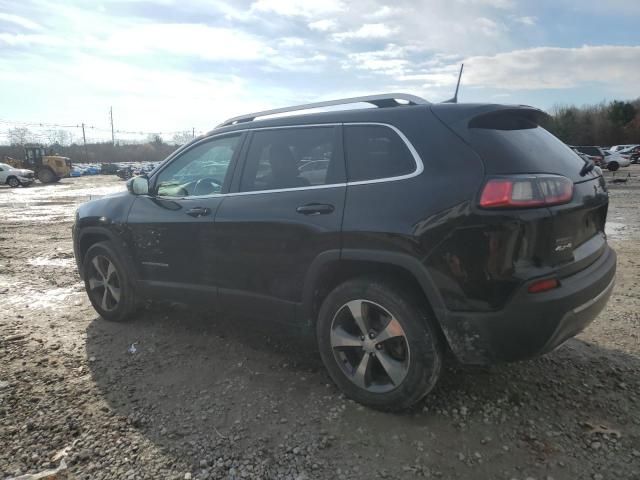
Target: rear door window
x=375 y=152
x=293 y=158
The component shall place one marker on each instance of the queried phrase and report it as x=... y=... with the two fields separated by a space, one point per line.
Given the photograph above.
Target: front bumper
x=533 y=324
x=26 y=180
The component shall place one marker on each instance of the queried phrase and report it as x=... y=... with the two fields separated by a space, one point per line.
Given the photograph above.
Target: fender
x=116 y=239
x=407 y=262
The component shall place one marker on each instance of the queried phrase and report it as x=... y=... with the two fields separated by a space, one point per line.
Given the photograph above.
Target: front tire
x=46 y=175
x=13 y=182
x=613 y=166
x=379 y=343
x=108 y=283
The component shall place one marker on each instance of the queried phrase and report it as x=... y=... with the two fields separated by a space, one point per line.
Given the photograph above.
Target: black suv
x=394 y=232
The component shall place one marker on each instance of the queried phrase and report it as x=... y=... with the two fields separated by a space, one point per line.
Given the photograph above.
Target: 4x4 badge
x=563 y=244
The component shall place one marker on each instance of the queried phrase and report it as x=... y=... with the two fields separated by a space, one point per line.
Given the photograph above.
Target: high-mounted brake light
x=526 y=191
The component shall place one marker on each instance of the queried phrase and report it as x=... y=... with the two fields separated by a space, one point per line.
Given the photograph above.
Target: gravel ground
x=202 y=397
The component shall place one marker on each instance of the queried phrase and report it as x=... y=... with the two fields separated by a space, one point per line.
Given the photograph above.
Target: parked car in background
x=15 y=177
x=632 y=153
x=602 y=158
x=613 y=161
x=617 y=148
x=596 y=153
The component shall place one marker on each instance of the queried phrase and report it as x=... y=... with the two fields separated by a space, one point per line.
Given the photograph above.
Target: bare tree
x=154 y=138
x=59 y=137
x=19 y=136
x=181 y=138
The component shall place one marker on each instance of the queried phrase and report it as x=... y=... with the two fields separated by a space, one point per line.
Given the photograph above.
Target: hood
x=22 y=171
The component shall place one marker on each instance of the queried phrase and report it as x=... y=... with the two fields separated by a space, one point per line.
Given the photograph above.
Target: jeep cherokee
x=395 y=233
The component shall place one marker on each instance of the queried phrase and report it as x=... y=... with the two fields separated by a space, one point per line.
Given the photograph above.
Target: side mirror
x=138 y=185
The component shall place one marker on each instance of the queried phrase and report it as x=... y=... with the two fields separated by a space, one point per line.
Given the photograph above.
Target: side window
x=200 y=170
x=375 y=151
x=292 y=157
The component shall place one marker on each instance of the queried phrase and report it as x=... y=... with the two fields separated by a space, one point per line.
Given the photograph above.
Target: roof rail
x=381 y=101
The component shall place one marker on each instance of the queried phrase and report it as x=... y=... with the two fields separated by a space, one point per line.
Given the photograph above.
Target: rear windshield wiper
x=588 y=166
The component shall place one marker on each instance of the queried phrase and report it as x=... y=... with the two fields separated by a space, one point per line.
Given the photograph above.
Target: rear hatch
x=511 y=142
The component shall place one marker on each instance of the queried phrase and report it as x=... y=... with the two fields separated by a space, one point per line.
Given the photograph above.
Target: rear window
x=375 y=152
x=293 y=158
x=519 y=145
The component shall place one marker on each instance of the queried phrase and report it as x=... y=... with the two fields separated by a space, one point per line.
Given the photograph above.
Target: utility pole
x=113 y=138
x=193 y=132
x=84 y=139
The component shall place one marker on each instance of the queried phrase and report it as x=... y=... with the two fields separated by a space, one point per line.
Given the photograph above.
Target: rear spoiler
x=462 y=117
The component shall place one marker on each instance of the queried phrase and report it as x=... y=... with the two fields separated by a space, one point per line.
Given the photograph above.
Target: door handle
x=315 y=209
x=198 y=212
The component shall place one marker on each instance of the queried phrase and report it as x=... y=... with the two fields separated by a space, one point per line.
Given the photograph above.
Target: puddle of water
x=51 y=203
x=51 y=262
x=56 y=298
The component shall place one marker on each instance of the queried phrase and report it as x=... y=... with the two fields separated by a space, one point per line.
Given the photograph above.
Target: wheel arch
x=89 y=236
x=334 y=267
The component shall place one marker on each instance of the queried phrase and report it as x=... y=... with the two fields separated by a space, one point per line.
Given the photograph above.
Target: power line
x=92 y=127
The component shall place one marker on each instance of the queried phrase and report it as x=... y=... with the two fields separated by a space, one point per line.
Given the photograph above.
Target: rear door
x=172 y=229
x=286 y=210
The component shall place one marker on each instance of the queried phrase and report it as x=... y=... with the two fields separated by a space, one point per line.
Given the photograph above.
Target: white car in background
x=14 y=177
x=613 y=158
x=617 y=148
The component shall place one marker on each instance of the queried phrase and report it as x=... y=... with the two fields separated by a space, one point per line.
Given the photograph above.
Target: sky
x=169 y=66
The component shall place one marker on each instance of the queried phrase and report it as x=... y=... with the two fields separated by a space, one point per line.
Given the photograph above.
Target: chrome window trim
x=416 y=157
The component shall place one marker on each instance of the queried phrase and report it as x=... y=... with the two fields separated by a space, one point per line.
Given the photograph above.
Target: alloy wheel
x=370 y=346
x=104 y=283
x=13 y=182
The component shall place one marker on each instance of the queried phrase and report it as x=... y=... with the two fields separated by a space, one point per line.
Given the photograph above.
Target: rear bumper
x=533 y=324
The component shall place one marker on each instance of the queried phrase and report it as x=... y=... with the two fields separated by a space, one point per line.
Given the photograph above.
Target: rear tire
x=108 y=283
x=397 y=361
x=13 y=182
x=613 y=166
x=46 y=175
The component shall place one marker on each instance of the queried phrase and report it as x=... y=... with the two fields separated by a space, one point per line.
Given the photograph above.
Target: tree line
x=154 y=149
x=604 y=124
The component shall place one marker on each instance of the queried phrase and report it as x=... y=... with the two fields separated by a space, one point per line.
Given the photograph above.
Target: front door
x=172 y=228
x=284 y=210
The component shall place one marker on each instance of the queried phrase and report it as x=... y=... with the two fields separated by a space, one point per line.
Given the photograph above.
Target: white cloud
x=391 y=61
x=324 y=25
x=302 y=8
x=527 y=20
x=291 y=42
x=201 y=41
x=488 y=27
x=502 y=4
x=30 y=40
x=554 y=67
x=385 y=11
x=21 y=21
x=368 y=30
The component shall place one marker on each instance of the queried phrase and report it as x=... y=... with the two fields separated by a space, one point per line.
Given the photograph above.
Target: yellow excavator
x=49 y=168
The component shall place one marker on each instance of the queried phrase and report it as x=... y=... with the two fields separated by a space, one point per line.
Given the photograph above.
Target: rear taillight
x=526 y=191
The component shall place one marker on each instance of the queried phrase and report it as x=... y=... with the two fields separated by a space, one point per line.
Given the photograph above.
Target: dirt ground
x=206 y=397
